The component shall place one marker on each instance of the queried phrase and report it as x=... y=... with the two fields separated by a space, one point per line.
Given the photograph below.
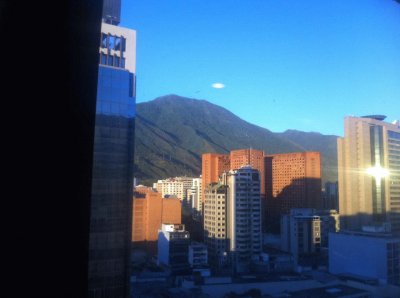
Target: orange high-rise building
x=150 y=210
x=293 y=180
x=212 y=166
x=252 y=157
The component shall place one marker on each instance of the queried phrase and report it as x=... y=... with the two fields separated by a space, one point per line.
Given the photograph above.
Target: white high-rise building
x=369 y=173
x=194 y=195
x=232 y=217
x=177 y=186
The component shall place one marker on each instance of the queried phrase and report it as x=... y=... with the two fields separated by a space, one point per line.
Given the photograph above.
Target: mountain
x=173 y=131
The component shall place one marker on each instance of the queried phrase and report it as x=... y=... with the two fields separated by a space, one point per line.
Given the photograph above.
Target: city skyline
x=295 y=60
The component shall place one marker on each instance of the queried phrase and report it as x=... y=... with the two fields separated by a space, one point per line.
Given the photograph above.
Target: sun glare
x=378 y=172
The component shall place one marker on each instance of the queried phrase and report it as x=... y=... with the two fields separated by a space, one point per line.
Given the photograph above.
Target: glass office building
x=112 y=182
x=369 y=173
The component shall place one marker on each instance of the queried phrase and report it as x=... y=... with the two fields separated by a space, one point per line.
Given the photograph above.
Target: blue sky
x=285 y=64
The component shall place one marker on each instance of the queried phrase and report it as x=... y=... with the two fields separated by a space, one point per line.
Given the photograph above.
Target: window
x=111 y=42
x=104 y=40
x=103 y=59
x=117 y=43
x=123 y=44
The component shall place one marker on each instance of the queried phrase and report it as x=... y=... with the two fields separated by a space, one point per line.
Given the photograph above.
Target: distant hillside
x=172 y=132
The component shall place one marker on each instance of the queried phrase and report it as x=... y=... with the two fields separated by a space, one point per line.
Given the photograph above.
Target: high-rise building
x=111 y=12
x=214 y=164
x=293 y=180
x=232 y=219
x=112 y=178
x=173 y=248
x=215 y=224
x=150 y=211
x=194 y=196
x=369 y=173
x=244 y=216
x=177 y=186
x=249 y=157
x=212 y=167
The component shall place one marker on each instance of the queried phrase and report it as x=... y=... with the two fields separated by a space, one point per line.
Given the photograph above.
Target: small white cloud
x=218 y=85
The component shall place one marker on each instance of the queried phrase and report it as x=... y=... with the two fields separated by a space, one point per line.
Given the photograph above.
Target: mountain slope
x=313 y=141
x=172 y=132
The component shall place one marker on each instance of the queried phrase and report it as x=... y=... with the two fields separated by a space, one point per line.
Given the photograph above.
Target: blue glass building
x=112 y=178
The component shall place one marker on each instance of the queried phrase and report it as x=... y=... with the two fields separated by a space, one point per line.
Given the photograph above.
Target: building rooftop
x=380 y=235
x=330 y=291
x=376 y=117
x=359 y=278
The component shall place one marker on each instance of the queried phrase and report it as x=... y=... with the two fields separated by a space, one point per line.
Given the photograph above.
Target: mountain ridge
x=173 y=131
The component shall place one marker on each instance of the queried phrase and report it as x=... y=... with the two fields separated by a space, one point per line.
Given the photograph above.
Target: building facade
x=177 y=186
x=173 y=248
x=194 y=197
x=301 y=233
x=330 y=223
x=198 y=255
x=112 y=176
x=150 y=211
x=244 y=216
x=330 y=198
x=253 y=158
x=369 y=173
x=293 y=180
x=215 y=224
x=232 y=219
x=212 y=167
x=370 y=255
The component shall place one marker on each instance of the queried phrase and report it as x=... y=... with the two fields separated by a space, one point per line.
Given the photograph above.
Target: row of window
x=111 y=60
x=394 y=135
x=112 y=42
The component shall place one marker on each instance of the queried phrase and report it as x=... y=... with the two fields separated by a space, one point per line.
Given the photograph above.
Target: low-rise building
x=373 y=255
x=173 y=248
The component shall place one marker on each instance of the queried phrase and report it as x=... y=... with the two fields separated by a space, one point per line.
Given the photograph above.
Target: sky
x=281 y=65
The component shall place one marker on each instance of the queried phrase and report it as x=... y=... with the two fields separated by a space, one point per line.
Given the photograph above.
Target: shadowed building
x=301 y=233
x=173 y=248
x=112 y=179
x=330 y=198
x=293 y=180
x=369 y=173
x=367 y=254
x=215 y=223
x=305 y=230
x=150 y=211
